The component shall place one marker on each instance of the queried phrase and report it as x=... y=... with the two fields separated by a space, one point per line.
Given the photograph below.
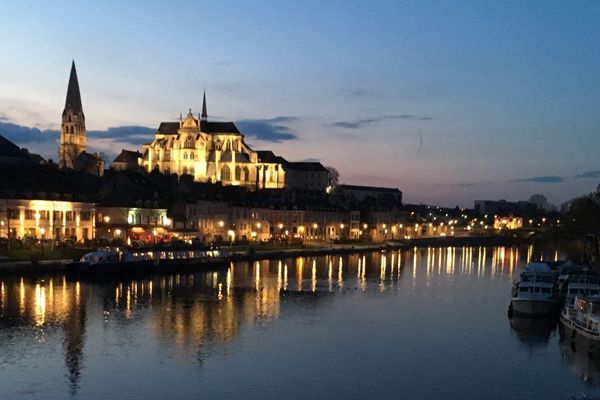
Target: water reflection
x=199 y=315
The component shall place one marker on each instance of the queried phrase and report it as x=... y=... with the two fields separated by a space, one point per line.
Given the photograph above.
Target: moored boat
x=536 y=294
x=141 y=260
x=581 y=322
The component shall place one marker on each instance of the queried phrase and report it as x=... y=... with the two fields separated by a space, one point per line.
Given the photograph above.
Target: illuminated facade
x=508 y=222
x=47 y=219
x=211 y=152
x=133 y=224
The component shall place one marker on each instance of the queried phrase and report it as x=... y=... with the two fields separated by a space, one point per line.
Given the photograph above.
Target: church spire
x=204 y=113
x=73 y=102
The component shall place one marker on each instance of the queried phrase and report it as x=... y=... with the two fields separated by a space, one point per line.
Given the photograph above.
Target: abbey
x=210 y=152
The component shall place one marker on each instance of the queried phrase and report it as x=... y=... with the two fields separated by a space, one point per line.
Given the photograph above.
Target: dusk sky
x=449 y=101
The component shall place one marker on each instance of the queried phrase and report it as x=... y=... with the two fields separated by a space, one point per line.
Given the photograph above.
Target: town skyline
x=438 y=141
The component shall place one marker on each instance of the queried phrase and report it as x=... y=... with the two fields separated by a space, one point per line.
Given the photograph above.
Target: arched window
x=71 y=130
x=192 y=156
x=189 y=142
x=184 y=171
x=185 y=155
x=191 y=171
x=225 y=173
x=238 y=173
x=273 y=175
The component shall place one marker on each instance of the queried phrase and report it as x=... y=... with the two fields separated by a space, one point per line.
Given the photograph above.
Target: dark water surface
x=422 y=324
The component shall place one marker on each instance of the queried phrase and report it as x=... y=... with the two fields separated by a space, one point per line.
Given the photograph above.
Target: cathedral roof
x=218 y=127
x=73 y=101
x=168 y=128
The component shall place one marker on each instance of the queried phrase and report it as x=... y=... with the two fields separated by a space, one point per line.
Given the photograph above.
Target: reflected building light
x=227 y=282
x=300 y=272
x=2 y=296
x=382 y=267
x=330 y=275
x=285 y=277
x=414 y=267
x=77 y=293
x=314 y=275
x=117 y=296
x=257 y=275
x=279 y=279
x=556 y=255
x=40 y=305
x=128 y=302
x=22 y=298
x=220 y=292
x=340 y=275
x=483 y=262
x=529 y=253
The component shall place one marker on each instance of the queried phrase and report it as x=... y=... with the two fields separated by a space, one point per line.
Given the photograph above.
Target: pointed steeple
x=204 y=113
x=73 y=101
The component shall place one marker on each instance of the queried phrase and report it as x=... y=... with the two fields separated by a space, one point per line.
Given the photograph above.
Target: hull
x=532 y=307
x=142 y=267
x=579 y=338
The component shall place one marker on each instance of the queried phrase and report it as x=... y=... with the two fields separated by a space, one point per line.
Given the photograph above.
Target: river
x=427 y=323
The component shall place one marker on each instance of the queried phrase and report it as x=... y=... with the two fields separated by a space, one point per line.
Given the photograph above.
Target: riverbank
x=252 y=253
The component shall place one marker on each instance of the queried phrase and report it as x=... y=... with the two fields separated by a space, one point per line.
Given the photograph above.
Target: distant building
x=11 y=153
x=354 y=193
x=73 y=133
x=503 y=207
x=307 y=176
x=127 y=161
x=508 y=222
x=210 y=152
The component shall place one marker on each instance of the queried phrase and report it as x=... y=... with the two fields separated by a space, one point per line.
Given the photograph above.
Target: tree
x=334 y=176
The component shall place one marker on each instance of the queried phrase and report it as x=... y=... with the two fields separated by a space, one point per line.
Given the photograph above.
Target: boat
x=536 y=294
x=582 y=284
x=140 y=260
x=581 y=323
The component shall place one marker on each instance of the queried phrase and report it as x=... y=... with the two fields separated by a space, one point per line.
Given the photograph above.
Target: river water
x=420 y=324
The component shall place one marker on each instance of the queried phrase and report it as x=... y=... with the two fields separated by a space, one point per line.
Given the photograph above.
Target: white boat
x=107 y=255
x=536 y=294
x=581 y=322
x=585 y=284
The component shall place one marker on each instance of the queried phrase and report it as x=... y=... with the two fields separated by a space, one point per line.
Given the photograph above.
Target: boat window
x=523 y=289
x=545 y=290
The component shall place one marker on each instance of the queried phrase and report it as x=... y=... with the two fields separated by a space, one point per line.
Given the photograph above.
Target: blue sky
x=449 y=101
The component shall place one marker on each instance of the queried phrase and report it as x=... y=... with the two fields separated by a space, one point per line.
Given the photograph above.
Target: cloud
x=45 y=141
x=132 y=134
x=541 y=179
x=367 y=121
x=24 y=134
x=587 y=175
x=269 y=130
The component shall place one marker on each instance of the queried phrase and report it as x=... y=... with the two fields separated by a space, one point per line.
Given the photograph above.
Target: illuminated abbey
x=210 y=152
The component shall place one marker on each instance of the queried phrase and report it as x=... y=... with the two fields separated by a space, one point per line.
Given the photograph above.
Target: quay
x=252 y=253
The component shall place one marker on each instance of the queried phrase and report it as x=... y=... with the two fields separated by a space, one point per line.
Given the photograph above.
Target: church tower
x=72 y=129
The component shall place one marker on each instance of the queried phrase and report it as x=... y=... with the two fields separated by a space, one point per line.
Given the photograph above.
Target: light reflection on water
x=267 y=328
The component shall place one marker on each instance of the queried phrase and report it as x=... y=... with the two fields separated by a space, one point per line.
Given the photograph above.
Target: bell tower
x=72 y=129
